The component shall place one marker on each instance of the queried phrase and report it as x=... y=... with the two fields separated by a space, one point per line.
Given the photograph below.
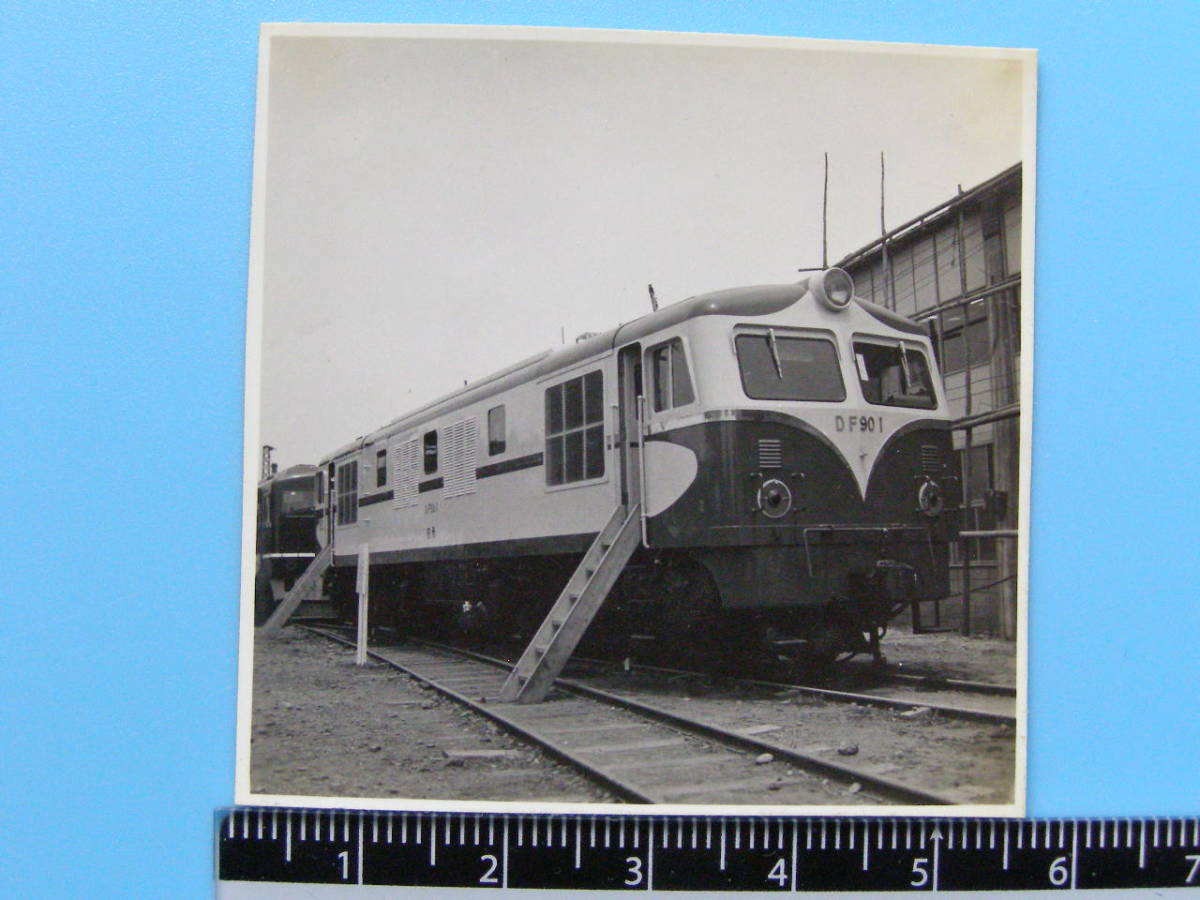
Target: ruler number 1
x=1194 y=859
x=344 y=856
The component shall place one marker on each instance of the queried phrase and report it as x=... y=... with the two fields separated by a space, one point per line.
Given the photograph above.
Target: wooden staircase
x=573 y=611
x=306 y=587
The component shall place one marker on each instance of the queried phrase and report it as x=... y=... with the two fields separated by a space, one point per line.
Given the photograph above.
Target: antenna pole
x=653 y=298
x=889 y=286
x=825 y=218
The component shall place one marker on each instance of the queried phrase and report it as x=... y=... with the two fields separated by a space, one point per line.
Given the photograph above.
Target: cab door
x=630 y=415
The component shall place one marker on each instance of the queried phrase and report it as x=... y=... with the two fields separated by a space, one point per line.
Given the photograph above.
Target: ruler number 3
x=635 y=871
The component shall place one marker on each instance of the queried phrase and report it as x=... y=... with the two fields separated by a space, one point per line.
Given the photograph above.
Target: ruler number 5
x=1194 y=859
x=920 y=873
x=489 y=877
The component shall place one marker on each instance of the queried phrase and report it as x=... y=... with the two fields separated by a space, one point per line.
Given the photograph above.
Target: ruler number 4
x=1194 y=859
x=778 y=872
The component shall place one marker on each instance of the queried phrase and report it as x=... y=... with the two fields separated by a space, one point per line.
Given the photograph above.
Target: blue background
x=125 y=162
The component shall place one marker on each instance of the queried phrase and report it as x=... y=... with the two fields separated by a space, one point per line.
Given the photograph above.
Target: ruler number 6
x=489 y=877
x=1059 y=873
x=1194 y=859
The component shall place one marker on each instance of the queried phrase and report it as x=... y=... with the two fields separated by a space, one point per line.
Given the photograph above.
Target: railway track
x=640 y=752
x=978 y=702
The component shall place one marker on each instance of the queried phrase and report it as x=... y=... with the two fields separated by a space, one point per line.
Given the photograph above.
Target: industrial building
x=957 y=270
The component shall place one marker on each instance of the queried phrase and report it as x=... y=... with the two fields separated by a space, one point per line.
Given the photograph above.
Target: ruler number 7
x=1194 y=859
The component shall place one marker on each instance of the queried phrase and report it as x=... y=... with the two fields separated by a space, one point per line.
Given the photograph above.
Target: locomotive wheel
x=689 y=614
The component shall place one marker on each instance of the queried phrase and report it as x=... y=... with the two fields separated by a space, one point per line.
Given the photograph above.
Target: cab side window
x=671 y=382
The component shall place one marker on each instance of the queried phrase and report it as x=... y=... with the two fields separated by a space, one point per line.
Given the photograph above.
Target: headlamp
x=774 y=499
x=929 y=498
x=833 y=287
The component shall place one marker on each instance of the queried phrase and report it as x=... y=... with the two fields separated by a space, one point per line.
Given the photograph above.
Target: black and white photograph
x=636 y=418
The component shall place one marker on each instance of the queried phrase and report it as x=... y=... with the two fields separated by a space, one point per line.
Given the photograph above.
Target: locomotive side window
x=381 y=468
x=431 y=453
x=347 y=493
x=775 y=366
x=891 y=375
x=672 y=383
x=497 y=438
x=575 y=430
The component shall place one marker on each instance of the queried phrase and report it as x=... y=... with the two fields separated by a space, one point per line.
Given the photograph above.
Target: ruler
x=490 y=851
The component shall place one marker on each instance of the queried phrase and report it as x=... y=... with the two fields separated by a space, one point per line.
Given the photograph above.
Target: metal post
x=641 y=427
x=965 y=625
x=363 y=584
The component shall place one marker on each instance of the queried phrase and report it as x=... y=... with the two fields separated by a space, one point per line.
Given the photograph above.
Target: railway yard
x=420 y=720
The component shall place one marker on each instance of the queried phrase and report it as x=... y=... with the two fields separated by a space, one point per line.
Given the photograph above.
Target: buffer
x=573 y=611
x=307 y=587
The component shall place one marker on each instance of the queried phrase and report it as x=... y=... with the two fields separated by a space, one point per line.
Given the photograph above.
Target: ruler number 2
x=489 y=877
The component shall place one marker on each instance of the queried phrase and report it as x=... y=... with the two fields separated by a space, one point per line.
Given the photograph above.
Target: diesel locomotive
x=788 y=445
x=286 y=540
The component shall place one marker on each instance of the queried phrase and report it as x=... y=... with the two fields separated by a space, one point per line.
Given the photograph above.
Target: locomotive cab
x=810 y=468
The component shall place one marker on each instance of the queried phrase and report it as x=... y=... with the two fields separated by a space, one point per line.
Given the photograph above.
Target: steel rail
x=897 y=790
x=929 y=682
x=625 y=791
x=935 y=682
x=956 y=712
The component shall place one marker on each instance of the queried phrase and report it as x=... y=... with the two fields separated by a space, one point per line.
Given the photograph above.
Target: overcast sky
x=436 y=209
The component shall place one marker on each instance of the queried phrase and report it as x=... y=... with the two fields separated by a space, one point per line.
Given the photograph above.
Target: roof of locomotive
x=755 y=300
x=300 y=471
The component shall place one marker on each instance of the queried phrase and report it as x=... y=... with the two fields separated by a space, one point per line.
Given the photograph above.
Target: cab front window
x=894 y=375
x=780 y=366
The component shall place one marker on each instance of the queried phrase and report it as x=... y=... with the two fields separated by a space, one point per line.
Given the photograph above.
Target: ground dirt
x=322 y=727
x=952 y=656
x=970 y=762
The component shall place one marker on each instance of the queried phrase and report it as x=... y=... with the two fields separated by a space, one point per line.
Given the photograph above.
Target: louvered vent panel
x=406 y=471
x=931 y=459
x=770 y=453
x=458 y=470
